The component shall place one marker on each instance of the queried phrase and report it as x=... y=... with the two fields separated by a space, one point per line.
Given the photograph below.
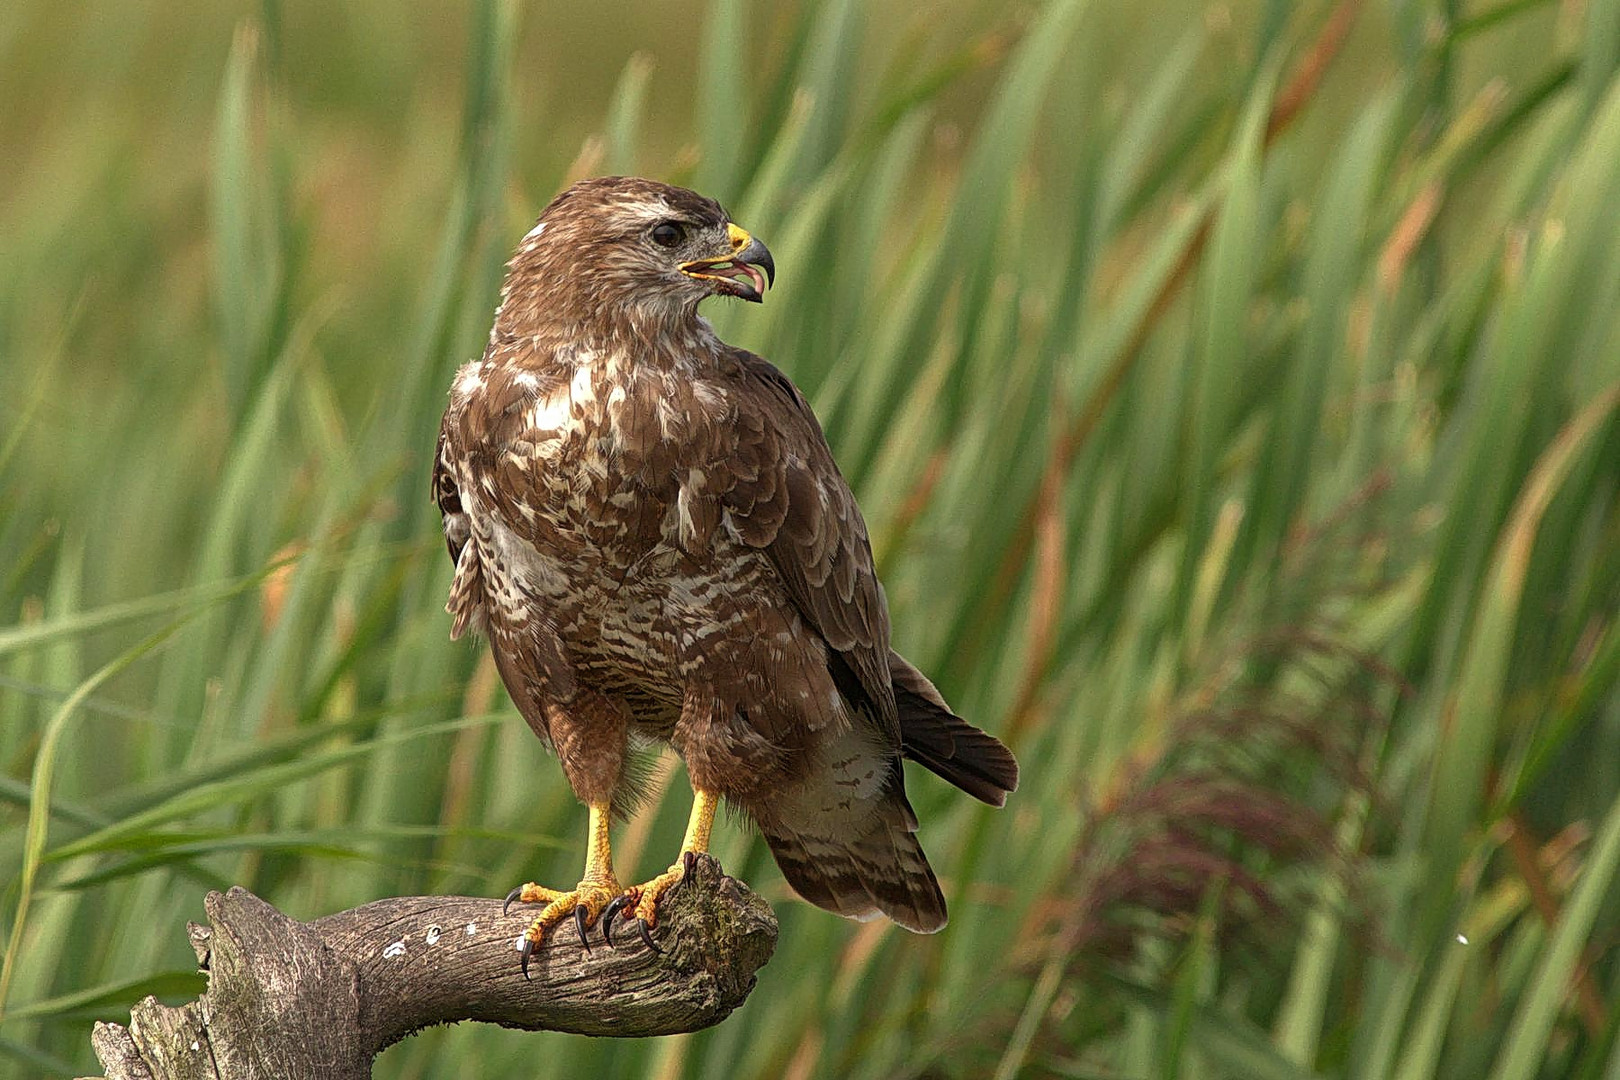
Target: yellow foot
x=585 y=902
x=641 y=902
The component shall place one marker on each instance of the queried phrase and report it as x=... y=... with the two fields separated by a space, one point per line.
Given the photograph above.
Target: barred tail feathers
x=846 y=838
x=883 y=872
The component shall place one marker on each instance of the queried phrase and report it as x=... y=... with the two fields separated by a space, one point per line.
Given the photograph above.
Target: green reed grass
x=1231 y=391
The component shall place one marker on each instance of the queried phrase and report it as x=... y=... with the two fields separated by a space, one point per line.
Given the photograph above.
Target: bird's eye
x=668 y=233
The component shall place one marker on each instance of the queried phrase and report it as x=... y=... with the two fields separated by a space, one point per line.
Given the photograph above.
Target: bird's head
x=622 y=246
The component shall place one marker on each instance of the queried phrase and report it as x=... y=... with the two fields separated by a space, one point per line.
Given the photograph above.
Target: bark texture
x=288 y=1000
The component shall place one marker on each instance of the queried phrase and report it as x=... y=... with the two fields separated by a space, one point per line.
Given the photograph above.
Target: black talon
x=525 y=950
x=511 y=896
x=688 y=862
x=617 y=904
x=580 y=922
x=641 y=924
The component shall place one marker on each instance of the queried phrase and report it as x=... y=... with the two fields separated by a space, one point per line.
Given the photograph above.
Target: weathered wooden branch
x=293 y=1000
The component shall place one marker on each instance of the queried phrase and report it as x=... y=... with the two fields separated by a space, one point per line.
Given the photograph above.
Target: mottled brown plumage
x=648 y=525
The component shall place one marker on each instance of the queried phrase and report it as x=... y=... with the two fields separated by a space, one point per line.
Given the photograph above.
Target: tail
x=944 y=743
x=846 y=840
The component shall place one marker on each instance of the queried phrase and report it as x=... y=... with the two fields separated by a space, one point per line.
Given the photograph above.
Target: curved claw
x=581 y=922
x=511 y=896
x=641 y=925
x=525 y=949
x=688 y=863
x=616 y=905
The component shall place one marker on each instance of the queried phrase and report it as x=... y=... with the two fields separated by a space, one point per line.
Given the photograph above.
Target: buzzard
x=649 y=528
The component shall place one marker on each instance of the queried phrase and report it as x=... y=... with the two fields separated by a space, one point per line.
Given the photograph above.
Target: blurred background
x=1231 y=390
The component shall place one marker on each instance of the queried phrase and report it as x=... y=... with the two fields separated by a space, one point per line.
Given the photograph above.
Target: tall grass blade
x=1546 y=990
x=44 y=773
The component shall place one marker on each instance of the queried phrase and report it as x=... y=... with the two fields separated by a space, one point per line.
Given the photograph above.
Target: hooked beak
x=737 y=273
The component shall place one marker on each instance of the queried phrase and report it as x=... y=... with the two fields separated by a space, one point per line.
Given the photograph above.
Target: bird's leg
x=642 y=900
x=585 y=902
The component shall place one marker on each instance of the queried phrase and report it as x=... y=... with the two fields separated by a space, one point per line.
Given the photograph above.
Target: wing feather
x=446 y=495
x=466 y=604
x=786 y=496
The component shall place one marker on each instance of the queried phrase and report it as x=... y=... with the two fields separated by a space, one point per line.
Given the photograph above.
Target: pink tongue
x=754 y=275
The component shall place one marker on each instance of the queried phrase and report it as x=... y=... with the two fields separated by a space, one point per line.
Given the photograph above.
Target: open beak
x=744 y=272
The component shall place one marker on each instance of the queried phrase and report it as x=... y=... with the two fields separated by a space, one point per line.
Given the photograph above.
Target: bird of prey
x=648 y=526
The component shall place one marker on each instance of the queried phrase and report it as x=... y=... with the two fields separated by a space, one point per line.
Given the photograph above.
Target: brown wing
x=466 y=603
x=787 y=497
x=528 y=656
x=446 y=495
